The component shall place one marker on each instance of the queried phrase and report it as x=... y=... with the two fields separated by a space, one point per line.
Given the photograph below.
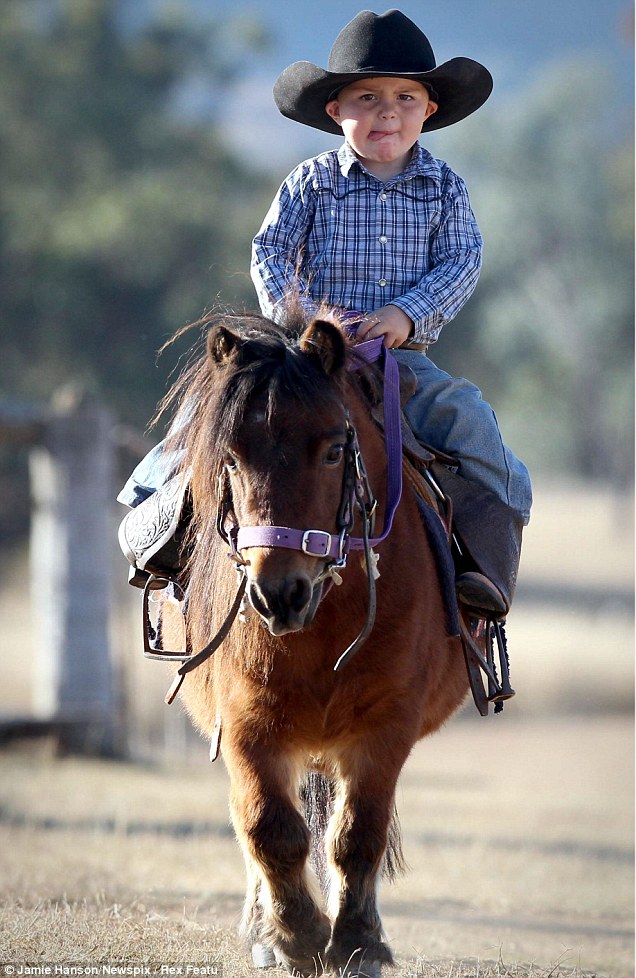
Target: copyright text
x=51 y=970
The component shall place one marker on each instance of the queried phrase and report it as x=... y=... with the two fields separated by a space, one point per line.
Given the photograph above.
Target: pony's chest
x=319 y=708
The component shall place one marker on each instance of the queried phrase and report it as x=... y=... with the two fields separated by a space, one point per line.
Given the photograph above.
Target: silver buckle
x=305 y=545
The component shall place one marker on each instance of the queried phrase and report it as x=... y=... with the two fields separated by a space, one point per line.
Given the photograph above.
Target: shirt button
x=382 y=283
x=382 y=196
x=383 y=239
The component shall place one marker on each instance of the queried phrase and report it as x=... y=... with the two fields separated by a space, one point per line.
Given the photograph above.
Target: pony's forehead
x=270 y=387
x=270 y=414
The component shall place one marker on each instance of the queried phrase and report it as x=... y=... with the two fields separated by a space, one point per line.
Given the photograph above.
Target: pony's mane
x=276 y=373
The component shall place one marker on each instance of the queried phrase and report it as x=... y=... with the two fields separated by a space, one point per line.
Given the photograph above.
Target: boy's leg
x=450 y=414
x=154 y=470
x=149 y=534
x=153 y=531
x=157 y=467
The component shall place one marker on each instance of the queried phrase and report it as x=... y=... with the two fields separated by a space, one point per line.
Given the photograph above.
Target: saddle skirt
x=152 y=534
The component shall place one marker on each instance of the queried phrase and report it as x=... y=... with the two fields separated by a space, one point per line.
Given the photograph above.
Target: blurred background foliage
x=123 y=216
x=550 y=329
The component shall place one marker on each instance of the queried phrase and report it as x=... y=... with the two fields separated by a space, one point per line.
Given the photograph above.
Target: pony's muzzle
x=286 y=604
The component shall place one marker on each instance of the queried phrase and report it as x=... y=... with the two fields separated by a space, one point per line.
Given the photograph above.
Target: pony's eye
x=334 y=454
x=230 y=461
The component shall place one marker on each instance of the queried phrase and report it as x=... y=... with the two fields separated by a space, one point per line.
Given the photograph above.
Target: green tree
x=549 y=332
x=122 y=215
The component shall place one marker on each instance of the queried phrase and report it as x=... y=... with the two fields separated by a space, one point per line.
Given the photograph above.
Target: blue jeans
x=152 y=472
x=449 y=413
x=445 y=412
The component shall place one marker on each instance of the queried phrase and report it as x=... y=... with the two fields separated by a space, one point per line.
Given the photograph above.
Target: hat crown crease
x=390 y=42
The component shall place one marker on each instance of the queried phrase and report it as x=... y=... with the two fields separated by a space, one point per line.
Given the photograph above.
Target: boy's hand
x=388 y=321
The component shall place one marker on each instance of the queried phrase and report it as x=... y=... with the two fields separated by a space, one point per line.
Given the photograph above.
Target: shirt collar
x=421 y=164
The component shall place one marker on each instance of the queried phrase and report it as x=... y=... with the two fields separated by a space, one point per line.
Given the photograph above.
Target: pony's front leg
x=282 y=920
x=357 y=842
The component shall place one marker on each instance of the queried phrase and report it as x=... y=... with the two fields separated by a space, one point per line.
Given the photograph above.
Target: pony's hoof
x=263 y=957
x=368 y=969
x=267 y=957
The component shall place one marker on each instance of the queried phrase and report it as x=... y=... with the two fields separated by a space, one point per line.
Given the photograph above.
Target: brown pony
x=265 y=445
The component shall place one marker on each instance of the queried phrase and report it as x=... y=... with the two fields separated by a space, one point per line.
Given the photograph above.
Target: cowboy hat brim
x=303 y=89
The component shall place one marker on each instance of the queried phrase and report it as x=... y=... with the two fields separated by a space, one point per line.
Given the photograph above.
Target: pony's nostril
x=283 y=602
x=258 y=601
x=297 y=593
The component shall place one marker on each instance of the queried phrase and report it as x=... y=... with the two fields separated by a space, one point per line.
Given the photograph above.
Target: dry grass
x=519 y=840
x=83 y=934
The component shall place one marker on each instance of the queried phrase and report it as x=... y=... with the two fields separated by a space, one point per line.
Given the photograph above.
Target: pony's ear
x=324 y=342
x=223 y=343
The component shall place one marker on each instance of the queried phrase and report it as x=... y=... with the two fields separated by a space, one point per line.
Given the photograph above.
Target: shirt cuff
x=427 y=319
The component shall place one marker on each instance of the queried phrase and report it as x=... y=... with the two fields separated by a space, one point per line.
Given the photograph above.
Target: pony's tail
x=394 y=861
x=317 y=798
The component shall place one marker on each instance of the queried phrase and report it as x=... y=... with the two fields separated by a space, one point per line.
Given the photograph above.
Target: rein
x=316 y=542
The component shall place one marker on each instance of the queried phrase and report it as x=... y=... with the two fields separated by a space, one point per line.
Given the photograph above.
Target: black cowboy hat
x=379 y=46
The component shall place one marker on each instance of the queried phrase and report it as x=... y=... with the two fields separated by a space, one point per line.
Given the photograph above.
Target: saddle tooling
x=473 y=534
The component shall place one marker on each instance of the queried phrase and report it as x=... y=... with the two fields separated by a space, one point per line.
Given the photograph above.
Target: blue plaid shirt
x=337 y=234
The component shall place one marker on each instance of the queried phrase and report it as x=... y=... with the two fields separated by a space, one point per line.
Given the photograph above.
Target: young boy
x=384 y=231
x=381 y=229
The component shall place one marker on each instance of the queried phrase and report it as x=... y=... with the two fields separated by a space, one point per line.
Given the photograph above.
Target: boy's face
x=381 y=119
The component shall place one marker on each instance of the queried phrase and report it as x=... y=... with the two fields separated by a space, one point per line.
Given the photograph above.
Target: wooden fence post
x=72 y=479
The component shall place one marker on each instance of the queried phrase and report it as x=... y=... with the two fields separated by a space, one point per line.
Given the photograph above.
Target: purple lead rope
x=370 y=351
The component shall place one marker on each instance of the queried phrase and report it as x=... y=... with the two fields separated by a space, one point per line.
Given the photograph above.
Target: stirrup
x=479 y=637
